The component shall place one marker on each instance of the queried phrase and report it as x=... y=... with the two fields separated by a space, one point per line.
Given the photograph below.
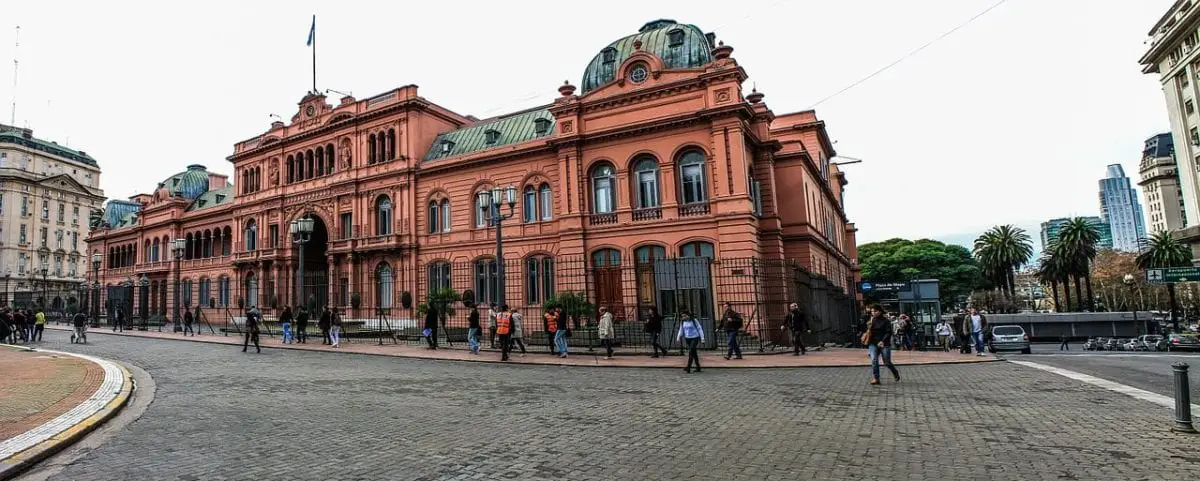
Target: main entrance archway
x=315 y=277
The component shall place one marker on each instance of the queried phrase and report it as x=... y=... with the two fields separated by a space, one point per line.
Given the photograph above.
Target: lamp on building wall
x=493 y=200
x=177 y=248
x=301 y=231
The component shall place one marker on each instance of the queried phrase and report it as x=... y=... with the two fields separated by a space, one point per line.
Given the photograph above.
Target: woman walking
x=335 y=328
x=473 y=331
x=878 y=340
x=605 y=332
x=691 y=333
x=654 y=327
x=252 y=326
x=430 y=331
x=518 y=330
x=562 y=332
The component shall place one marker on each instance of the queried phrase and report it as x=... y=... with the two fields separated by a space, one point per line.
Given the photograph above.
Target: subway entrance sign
x=1173 y=275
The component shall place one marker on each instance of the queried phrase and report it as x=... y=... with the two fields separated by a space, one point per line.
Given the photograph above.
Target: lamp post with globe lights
x=492 y=201
x=177 y=248
x=96 y=259
x=1130 y=283
x=301 y=231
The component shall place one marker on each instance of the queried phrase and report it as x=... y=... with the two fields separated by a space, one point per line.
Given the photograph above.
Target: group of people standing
x=21 y=325
x=330 y=324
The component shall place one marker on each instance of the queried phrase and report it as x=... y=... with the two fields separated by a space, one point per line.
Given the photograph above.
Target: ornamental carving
x=345 y=154
x=723 y=95
x=273 y=172
x=568 y=126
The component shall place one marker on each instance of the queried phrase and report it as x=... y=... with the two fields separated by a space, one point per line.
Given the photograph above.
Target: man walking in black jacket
x=797 y=322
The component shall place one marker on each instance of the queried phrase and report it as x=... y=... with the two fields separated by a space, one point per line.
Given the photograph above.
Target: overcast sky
x=1012 y=119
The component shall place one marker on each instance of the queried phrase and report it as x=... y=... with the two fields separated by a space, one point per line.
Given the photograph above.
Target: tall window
x=74 y=214
x=24 y=206
x=154 y=251
x=547 y=202
x=383 y=285
x=346 y=223
x=481 y=212
x=46 y=209
x=22 y=239
x=223 y=291
x=371 y=149
x=487 y=281
x=273 y=235
x=21 y=259
x=439 y=276
x=604 y=196
x=251 y=235
x=445 y=208
x=539 y=279
x=251 y=290
x=696 y=249
x=185 y=297
x=74 y=240
x=529 y=205
x=383 y=216
x=205 y=291
x=435 y=217
x=691 y=177
x=645 y=172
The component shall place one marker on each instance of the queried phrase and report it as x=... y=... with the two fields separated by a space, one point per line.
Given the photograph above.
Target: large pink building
x=658 y=155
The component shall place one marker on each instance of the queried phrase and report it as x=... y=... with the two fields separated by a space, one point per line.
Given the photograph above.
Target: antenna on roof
x=12 y=120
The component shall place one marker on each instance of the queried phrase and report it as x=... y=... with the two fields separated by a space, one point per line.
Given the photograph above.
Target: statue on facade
x=345 y=154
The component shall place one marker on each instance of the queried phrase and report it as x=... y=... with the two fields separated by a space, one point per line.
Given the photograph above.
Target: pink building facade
x=659 y=155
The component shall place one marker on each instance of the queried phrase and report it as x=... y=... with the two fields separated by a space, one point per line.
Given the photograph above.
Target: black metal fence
x=386 y=304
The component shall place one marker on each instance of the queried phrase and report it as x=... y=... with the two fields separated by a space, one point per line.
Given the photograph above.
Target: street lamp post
x=177 y=248
x=96 y=259
x=493 y=200
x=45 y=284
x=7 y=275
x=1129 y=283
x=301 y=230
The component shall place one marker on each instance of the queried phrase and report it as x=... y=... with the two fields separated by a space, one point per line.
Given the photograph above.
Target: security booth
x=921 y=300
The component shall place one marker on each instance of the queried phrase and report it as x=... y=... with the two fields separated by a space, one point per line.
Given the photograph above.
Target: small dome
x=189 y=184
x=678 y=45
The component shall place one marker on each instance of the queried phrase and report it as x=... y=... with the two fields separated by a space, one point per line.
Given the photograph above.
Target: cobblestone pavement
x=37 y=387
x=298 y=415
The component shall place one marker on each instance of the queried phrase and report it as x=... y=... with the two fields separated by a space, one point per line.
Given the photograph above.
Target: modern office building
x=1160 y=185
x=1120 y=209
x=47 y=192
x=1051 y=227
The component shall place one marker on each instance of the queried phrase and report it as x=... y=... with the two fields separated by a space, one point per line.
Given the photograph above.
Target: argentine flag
x=312 y=32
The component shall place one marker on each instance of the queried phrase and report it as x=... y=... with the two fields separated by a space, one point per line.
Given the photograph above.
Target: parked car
x=1135 y=344
x=1182 y=342
x=1150 y=341
x=1092 y=344
x=1112 y=344
x=1009 y=338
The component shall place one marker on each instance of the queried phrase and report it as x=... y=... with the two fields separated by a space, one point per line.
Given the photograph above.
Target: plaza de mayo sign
x=1173 y=275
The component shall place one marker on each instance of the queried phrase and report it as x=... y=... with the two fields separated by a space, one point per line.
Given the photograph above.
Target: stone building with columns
x=659 y=155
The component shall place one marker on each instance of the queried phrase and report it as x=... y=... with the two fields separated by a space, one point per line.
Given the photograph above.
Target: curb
x=593 y=364
x=20 y=462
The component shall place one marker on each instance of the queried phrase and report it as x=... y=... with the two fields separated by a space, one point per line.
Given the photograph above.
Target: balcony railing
x=602 y=219
x=648 y=213
x=693 y=209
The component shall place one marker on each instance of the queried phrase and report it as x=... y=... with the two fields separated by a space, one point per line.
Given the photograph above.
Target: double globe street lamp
x=301 y=231
x=177 y=248
x=491 y=202
x=96 y=259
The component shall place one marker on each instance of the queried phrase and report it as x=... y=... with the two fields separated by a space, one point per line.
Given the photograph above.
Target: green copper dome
x=189 y=184
x=679 y=45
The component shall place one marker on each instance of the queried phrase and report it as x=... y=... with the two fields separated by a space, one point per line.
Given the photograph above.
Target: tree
x=1002 y=250
x=1161 y=250
x=575 y=305
x=1078 y=239
x=902 y=260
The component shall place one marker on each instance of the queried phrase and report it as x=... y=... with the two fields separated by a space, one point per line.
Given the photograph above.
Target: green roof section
x=189 y=184
x=119 y=213
x=693 y=50
x=213 y=198
x=511 y=129
x=25 y=138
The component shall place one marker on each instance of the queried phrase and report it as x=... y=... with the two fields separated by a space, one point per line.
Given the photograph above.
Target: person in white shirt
x=691 y=333
x=975 y=325
x=943 y=334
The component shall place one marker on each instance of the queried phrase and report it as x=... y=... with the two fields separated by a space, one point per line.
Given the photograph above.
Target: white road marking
x=1159 y=399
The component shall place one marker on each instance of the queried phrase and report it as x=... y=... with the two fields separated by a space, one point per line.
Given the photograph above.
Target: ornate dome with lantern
x=678 y=45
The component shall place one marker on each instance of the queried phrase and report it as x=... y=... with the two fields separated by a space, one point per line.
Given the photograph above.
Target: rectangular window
x=533 y=279
x=529 y=206
x=58 y=264
x=347 y=225
x=73 y=268
x=1195 y=136
x=439 y=276
x=24 y=205
x=693 y=184
x=21 y=263
x=480 y=213
x=486 y=282
x=756 y=196
x=547 y=203
x=433 y=218
x=62 y=211
x=205 y=291
x=1189 y=107
x=647 y=189
x=1 y=203
x=58 y=239
x=445 y=208
x=547 y=278
x=604 y=195
x=273 y=232
x=1182 y=79
x=23 y=239
x=45 y=235
x=45 y=210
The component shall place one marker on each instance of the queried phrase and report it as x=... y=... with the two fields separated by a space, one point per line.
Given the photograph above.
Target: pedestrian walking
x=550 y=326
x=731 y=323
x=960 y=334
x=975 y=326
x=943 y=334
x=690 y=333
x=302 y=325
x=910 y=332
x=504 y=330
x=188 y=319
x=6 y=330
x=1064 y=346
x=654 y=327
x=119 y=320
x=79 y=322
x=605 y=332
x=518 y=330
x=335 y=328
x=879 y=345
x=492 y=313
x=324 y=325
x=253 y=321
x=473 y=331
x=18 y=334
x=285 y=323
x=797 y=322
x=431 y=325
x=562 y=333
x=39 y=325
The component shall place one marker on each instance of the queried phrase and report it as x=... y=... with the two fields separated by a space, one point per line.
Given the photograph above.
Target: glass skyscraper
x=1120 y=209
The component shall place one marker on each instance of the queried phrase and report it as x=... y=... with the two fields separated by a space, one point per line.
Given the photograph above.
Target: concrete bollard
x=1183 y=399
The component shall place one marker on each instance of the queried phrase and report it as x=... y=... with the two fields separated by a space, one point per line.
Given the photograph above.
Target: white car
x=1134 y=345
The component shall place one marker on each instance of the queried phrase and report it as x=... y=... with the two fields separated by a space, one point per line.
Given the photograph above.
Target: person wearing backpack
x=731 y=323
x=692 y=334
x=252 y=326
x=335 y=328
x=504 y=330
x=654 y=327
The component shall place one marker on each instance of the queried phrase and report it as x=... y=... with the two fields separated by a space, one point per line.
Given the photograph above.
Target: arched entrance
x=315 y=278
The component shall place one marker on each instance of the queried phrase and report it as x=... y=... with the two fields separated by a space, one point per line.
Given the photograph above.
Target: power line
x=910 y=54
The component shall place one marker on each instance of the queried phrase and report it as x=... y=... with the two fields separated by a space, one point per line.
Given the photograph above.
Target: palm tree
x=1056 y=267
x=1159 y=251
x=1047 y=273
x=1078 y=237
x=1002 y=250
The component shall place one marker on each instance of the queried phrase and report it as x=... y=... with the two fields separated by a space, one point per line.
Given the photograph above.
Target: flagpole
x=314 y=54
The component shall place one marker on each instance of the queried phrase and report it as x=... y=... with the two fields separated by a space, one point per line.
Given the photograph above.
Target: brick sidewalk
x=836 y=357
x=37 y=387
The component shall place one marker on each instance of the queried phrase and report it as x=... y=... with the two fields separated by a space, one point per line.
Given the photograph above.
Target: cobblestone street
x=222 y=414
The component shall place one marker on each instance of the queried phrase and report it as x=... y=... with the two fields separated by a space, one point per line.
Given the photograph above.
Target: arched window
x=226 y=241
x=382 y=149
x=696 y=249
x=439 y=276
x=391 y=144
x=371 y=149
x=154 y=252
x=645 y=174
x=692 y=178
x=649 y=254
x=329 y=159
x=383 y=216
x=547 y=201
x=146 y=252
x=208 y=243
x=529 y=205
x=487 y=281
x=320 y=162
x=251 y=235
x=383 y=285
x=187 y=246
x=606 y=258
x=291 y=169
x=445 y=208
x=481 y=212
x=310 y=165
x=539 y=279
x=604 y=193
x=435 y=217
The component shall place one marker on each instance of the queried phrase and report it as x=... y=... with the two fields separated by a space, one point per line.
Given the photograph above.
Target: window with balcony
x=692 y=179
x=547 y=198
x=45 y=210
x=23 y=239
x=604 y=193
x=251 y=235
x=645 y=173
x=24 y=205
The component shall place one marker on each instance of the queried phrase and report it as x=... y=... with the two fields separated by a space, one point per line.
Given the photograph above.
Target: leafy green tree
x=1161 y=250
x=575 y=305
x=902 y=260
x=1002 y=250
